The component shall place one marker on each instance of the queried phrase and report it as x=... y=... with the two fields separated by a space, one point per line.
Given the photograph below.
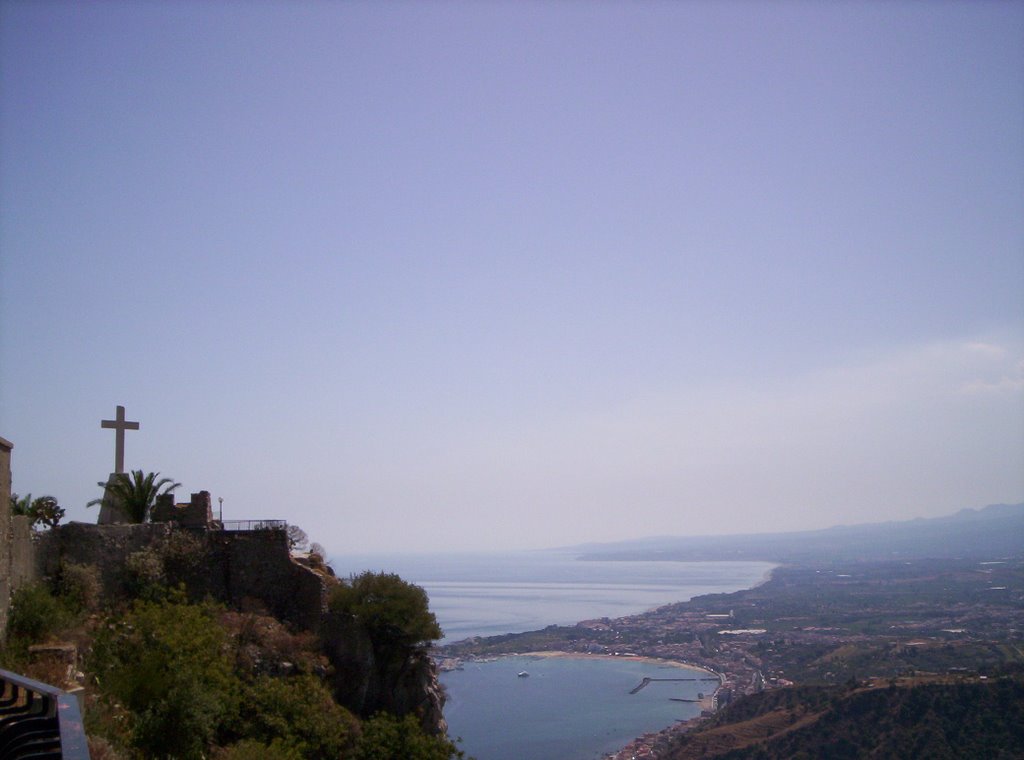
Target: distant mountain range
x=993 y=532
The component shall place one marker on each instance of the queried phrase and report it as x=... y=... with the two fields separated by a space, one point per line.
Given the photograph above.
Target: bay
x=568 y=708
x=487 y=594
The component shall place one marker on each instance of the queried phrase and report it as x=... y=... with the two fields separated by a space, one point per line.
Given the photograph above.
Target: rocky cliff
x=367 y=680
x=253 y=570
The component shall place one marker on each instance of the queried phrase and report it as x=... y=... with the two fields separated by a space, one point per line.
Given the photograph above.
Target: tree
x=21 y=506
x=44 y=511
x=136 y=494
x=297 y=538
x=394 y=613
x=299 y=714
x=386 y=737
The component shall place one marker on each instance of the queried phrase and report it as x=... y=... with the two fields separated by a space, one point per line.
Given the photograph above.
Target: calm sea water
x=568 y=708
x=490 y=594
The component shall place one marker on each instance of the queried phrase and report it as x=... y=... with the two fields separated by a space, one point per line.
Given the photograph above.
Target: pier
x=646 y=681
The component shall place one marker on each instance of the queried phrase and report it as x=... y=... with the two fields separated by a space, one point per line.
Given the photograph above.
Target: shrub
x=254 y=750
x=144 y=574
x=166 y=662
x=386 y=737
x=101 y=749
x=264 y=645
x=35 y=613
x=179 y=724
x=80 y=586
x=394 y=612
x=301 y=714
x=182 y=554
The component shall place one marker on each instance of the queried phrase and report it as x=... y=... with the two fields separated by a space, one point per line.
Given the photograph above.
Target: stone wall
x=197 y=513
x=24 y=567
x=105 y=546
x=5 y=532
x=240 y=569
x=257 y=566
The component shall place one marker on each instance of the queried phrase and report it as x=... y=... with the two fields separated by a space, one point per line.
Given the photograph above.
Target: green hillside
x=971 y=718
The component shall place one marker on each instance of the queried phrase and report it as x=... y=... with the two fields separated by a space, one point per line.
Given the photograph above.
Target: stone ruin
x=196 y=513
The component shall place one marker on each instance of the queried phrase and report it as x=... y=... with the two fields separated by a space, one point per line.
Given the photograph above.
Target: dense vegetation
x=393 y=612
x=172 y=678
x=965 y=719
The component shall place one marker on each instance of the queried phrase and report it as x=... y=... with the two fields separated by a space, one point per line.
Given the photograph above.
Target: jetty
x=646 y=681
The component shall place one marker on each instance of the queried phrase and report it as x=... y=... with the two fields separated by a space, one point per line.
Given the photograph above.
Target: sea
x=565 y=708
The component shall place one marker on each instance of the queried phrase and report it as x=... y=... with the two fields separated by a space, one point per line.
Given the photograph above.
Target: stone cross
x=120 y=425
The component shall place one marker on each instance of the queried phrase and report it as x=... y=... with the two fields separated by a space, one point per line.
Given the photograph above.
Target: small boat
x=523 y=674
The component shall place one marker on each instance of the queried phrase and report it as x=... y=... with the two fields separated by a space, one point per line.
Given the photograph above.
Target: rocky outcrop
x=414 y=688
x=254 y=570
x=367 y=680
x=256 y=566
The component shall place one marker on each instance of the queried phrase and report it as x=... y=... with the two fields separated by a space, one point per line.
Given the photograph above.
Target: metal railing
x=39 y=721
x=246 y=525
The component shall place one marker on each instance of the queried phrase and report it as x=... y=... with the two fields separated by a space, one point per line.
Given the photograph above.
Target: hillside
x=785 y=649
x=995 y=531
x=175 y=651
x=903 y=718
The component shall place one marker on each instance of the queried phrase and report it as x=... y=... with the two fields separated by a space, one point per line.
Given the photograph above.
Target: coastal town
x=820 y=624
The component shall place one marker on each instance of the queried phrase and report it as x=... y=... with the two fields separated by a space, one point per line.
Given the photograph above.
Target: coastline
x=718 y=671
x=647 y=669
x=767 y=575
x=705 y=704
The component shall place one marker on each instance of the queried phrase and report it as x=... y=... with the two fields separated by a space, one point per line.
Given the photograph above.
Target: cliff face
x=254 y=569
x=367 y=679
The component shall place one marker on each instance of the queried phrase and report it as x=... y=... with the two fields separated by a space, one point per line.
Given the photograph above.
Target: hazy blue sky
x=499 y=275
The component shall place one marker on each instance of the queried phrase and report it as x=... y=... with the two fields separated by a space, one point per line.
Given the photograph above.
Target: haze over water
x=504 y=275
x=568 y=708
x=489 y=594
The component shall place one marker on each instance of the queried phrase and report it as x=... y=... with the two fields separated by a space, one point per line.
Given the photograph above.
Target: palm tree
x=136 y=495
x=44 y=511
x=22 y=506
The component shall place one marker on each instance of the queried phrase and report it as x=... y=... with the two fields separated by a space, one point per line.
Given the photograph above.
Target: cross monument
x=119 y=425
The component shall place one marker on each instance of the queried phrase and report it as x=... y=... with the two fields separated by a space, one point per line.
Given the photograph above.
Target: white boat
x=523 y=674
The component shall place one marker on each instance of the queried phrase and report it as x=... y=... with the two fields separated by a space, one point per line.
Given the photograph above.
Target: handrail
x=39 y=720
x=248 y=525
